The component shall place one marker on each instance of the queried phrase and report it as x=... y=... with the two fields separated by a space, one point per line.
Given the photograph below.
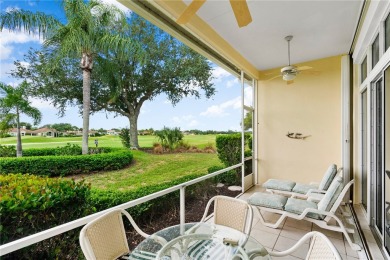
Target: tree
x=170 y=67
x=28 y=126
x=122 y=81
x=87 y=32
x=12 y=105
x=248 y=122
x=62 y=127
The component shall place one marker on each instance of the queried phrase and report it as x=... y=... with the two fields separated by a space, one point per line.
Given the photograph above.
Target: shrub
x=124 y=135
x=157 y=148
x=182 y=145
x=69 y=149
x=31 y=204
x=169 y=137
x=67 y=165
x=7 y=151
x=103 y=199
x=229 y=148
x=228 y=178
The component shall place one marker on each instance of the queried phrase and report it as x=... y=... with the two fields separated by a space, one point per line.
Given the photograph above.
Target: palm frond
x=32 y=23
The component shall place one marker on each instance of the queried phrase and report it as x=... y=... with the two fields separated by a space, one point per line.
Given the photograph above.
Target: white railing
x=35 y=238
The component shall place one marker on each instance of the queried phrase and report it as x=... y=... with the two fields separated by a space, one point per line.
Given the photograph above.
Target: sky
x=221 y=112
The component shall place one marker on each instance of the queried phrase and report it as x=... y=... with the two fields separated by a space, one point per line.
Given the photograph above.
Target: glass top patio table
x=198 y=241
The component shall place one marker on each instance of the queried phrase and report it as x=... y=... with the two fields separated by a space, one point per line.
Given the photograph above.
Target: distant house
x=112 y=132
x=23 y=131
x=73 y=133
x=48 y=132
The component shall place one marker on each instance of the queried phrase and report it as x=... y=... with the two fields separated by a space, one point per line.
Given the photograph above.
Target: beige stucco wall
x=311 y=106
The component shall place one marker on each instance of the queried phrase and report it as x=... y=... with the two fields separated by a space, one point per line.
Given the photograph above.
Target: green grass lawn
x=106 y=141
x=146 y=169
x=150 y=169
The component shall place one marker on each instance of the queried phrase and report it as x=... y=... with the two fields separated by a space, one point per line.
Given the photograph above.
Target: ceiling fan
x=240 y=9
x=290 y=72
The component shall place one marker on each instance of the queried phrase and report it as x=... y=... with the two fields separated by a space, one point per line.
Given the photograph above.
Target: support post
x=182 y=209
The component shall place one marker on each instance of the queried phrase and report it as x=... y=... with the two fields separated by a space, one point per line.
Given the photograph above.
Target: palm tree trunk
x=86 y=66
x=18 y=136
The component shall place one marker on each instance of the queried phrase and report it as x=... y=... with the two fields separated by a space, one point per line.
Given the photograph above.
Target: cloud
x=248 y=96
x=5 y=69
x=11 y=8
x=183 y=119
x=8 y=39
x=193 y=123
x=31 y=3
x=41 y=104
x=118 y=5
x=219 y=74
x=233 y=82
x=220 y=110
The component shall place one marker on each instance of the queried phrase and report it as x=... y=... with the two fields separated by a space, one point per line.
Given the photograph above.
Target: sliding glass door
x=387 y=159
x=377 y=155
x=364 y=158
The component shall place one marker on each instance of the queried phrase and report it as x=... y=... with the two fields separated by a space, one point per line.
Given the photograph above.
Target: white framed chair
x=301 y=190
x=105 y=237
x=321 y=213
x=232 y=224
x=232 y=213
x=320 y=248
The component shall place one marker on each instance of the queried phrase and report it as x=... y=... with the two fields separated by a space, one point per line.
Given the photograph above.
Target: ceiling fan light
x=289 y=76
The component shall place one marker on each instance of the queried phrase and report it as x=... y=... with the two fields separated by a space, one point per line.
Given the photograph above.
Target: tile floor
x=292 y=230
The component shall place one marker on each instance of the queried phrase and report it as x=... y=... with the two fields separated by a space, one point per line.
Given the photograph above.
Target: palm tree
x=87 y=32
x=14 y=103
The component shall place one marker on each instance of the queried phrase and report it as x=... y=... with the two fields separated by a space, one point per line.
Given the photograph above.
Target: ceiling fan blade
x=290 y=82
x=190 y=11
x=313 y=72
x=274 y=77
x=304 y=68
x=241 y=12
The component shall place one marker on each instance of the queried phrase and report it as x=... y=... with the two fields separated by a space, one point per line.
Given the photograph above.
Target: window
x=375 y=51
x=387 y=32
x=363 y=69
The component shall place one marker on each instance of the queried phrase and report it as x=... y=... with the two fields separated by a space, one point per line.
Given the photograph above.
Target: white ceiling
x=320 y=29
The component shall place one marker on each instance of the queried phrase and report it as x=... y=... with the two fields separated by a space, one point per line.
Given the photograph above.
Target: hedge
x=30 y=204
x=229 y=148
x=229 y=177
x=66 y=165
x=103 y=199
x=63 y=201
x=69 y=149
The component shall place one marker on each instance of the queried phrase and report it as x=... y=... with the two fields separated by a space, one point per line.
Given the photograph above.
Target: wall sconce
x=296 y=136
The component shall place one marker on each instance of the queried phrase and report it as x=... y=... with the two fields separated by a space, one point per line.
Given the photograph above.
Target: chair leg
x=340 y=228
x=268 y=224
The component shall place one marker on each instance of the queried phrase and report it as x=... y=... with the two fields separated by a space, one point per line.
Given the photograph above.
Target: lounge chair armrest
x=315 y=191
x=294 y=247
x=317 y=211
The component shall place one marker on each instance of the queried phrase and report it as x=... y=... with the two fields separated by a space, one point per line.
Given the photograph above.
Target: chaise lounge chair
x=320 y=213
x=300 y=190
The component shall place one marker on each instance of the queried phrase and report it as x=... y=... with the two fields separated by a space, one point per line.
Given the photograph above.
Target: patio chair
x=321 y=213
x=232 y=224
x=231 y=213
x=300 y=190
x=105 y=237
x=320 y=247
